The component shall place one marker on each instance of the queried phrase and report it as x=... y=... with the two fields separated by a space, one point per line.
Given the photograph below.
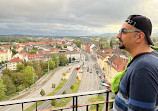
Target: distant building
x=5 y=55
x=12 y=64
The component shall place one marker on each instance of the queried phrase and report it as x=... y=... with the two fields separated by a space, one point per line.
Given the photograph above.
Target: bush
x=42 y=92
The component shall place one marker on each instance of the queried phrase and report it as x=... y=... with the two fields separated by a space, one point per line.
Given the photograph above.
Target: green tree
x=111 y=44
x=64 y=92
x=72 y=87
x=6 y=71
x=69 y=59
x=65 y=46
x=2 y=90
x=14 y=47
x=14 y=51
x=64 y=74
x=33 y=52
x=62 y=60
x=53 y=102
x=18 y=78
x=51 y=64
x=39 y=71
x=11 y=89
x=53 y=85
x=42 y=92
x=29 y=75
x=58 y=46
x=44 y=65
x=78 y=43
x=20 y=67
x=73 y=59
x=55 y=59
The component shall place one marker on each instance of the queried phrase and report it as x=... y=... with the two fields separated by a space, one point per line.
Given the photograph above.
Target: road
x=66 y=88
x=35 y=92
x=89 y=82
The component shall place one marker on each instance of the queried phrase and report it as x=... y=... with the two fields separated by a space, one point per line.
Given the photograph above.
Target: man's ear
x=140 y=37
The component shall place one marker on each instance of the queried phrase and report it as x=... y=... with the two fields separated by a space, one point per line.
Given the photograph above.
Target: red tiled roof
x=35 y=55
x=119 y=64
x=109 y=51
x=48 y=52
x=1 y=52
x=52 y=49
x=16 y=60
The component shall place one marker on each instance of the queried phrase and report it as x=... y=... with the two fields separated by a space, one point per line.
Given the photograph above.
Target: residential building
x=5 y=55
x=12 y=64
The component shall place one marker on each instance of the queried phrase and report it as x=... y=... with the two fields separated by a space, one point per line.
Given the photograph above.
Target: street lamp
x=32 y=73
x=48 y=66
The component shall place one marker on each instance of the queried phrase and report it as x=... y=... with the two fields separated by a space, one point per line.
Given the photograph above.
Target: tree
x=64 y=74
x=51 y=64
x=78 y=43
x=11 y=89
x=33 y=52
x=2 y=90
x=65 y=46
x=62 y=60
x=58 y=46
x=44 y=65
x=72 y=87
x=42 y=92
x=53 y=102
x=73 y=59
x=18 y=78
x=6 y=71
x=53 y=85
x=14 y=51
x=69 y=59
x=20 y=67
x=38 y=71
x=111 y=44
x=29 y=75
x=55 y=59
x=64 y=92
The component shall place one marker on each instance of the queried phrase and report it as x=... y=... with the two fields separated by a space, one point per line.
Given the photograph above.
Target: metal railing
x=74 y=97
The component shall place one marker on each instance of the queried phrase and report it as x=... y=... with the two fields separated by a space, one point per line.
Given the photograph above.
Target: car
x=77 y=68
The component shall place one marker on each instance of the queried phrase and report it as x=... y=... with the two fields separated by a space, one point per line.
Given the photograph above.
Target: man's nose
x=118 y=35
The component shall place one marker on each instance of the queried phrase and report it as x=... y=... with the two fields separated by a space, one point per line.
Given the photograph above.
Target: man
x=138 y=89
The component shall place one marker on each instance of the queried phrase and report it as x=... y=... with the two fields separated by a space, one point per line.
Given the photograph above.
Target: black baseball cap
x=142 y=23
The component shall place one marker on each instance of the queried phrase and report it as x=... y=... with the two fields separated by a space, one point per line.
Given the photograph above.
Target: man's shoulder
x=147 y=60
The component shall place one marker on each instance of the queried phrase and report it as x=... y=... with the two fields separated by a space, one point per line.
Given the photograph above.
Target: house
x=103 y=60
x=5 y=55
x=35 y=57
x=22 y=56
x=12 y=64
x=72 y=54
x=114 y=65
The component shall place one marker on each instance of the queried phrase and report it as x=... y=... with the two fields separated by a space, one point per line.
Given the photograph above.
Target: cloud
x=71 y=16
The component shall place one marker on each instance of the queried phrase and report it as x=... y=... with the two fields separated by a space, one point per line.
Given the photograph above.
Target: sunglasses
x=123 y=30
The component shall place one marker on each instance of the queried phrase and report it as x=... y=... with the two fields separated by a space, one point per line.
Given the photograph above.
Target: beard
x=121 y=46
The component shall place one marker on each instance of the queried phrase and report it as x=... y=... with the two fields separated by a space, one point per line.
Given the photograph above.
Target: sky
x=71 y=17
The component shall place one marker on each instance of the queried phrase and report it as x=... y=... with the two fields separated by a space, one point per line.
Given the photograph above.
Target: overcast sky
x=71 y=17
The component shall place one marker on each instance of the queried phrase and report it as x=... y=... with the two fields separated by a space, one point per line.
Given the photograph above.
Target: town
x=26 y=67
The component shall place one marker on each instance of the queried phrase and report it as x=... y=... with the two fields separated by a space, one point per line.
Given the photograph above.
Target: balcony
x=75 y=104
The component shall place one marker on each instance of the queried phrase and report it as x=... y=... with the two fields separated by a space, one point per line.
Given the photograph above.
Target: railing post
x=22 y=107
x=76 y=103
x=97 y=107
x=36 y=106
x=87 y=108
x=73 y=103
x=107 y=101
